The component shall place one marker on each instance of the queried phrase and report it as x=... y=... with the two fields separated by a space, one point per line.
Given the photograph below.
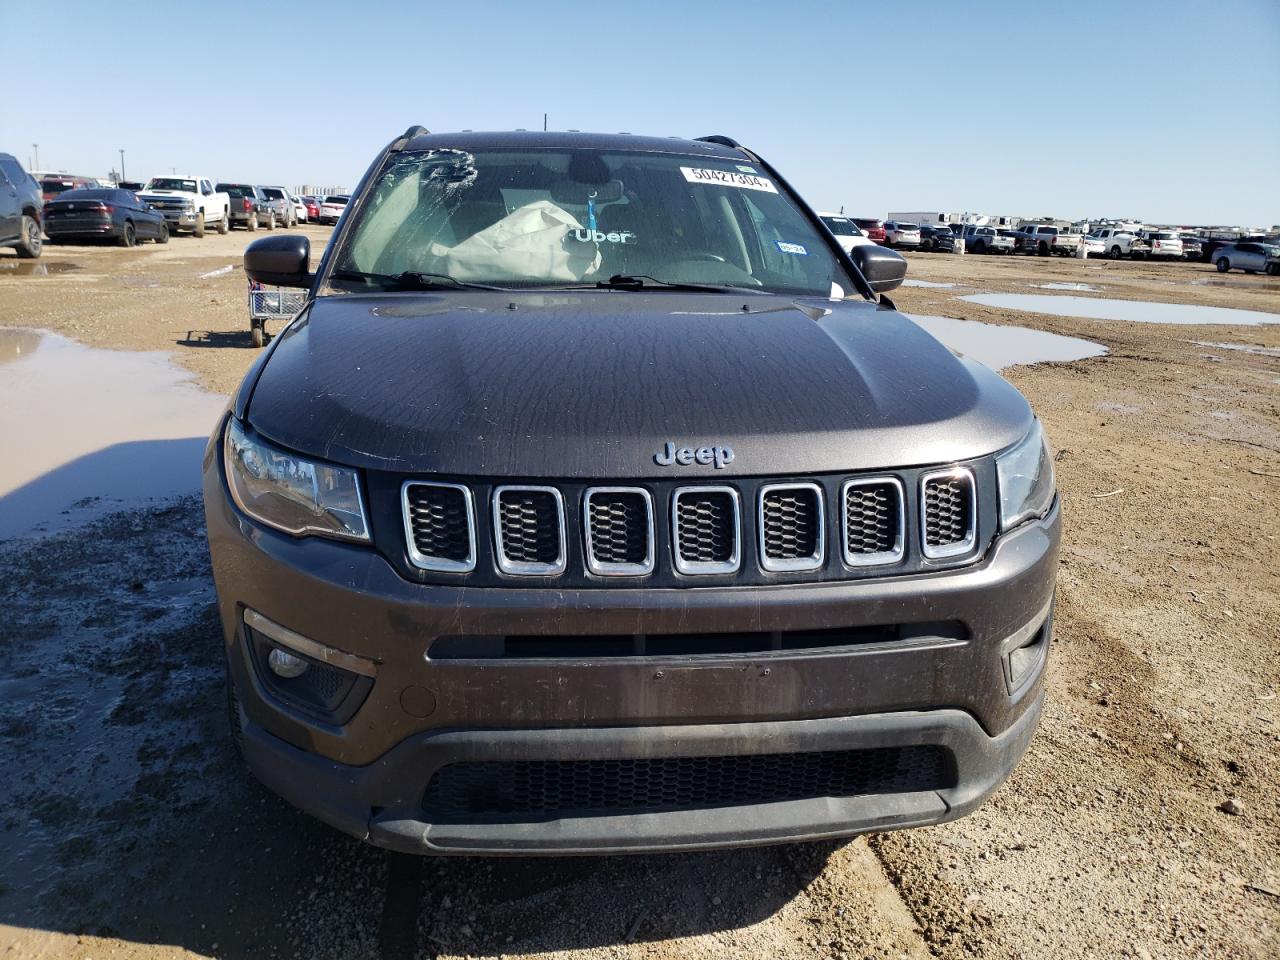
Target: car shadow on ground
x=125 y=812
x=218 y=339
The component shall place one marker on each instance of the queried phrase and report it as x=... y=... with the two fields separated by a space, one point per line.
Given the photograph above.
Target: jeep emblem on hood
x=684 y=456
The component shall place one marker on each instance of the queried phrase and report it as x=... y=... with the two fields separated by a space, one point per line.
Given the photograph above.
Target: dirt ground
x=1144 y=822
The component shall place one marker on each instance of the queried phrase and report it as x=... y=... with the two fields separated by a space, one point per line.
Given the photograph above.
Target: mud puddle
x=998 y=347
x=1067 y=286
x=97 y=430
x=1136 y=311
x=926 y=283
x=35 y=268
x=1242 y=347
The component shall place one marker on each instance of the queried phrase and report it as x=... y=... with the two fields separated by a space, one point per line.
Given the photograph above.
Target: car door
x=144 y=219
x=1248 y=256
x=10 y=200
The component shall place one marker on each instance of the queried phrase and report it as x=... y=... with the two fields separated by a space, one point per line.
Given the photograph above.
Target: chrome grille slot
x=529 y=530
x=439 y=526
x=619 y=531
x=791 y=527
x=706 y=528
x=948 y=512
x=873 y=525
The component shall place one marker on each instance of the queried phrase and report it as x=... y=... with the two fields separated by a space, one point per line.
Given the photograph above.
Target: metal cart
x=277 y=304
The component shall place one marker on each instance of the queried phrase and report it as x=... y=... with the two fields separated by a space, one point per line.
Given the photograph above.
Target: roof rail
x=721 y=139
x=417 y=130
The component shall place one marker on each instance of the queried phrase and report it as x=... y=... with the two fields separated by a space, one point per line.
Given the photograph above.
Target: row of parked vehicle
x=1260 y=254
x=66 y=207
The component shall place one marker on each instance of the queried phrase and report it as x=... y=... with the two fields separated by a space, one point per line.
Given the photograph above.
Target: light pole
x=122 y=176
x=35 y=160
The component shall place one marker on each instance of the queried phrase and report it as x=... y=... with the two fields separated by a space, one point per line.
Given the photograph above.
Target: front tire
x=128 y=236
x=1223 y=264
x=1114 y=253
x=199 y=230
x=29 y=243
x=224 y=225
x=252 y=225
x=271 y=220
x=163 y=235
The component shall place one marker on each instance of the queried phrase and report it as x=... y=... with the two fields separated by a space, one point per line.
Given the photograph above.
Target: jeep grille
x=873 y=521
x=529 y=528
x=791 y=527
x=707 y=530
x=619 y=531
x=440 y=526
x=947 y=513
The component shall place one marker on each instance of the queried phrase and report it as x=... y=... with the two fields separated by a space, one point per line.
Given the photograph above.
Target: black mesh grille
x=529 y=524
x=438 y=521
x=565 y=788
x=705 y=523
x=792 y=525
x=948 y=513
x=873 y=515
x=619 y=527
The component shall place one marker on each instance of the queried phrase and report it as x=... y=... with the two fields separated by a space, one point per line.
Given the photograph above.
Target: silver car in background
x=1249 y=256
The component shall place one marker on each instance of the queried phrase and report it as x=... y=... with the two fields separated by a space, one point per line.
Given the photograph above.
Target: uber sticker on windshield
x=796 y=248
x=728 y=178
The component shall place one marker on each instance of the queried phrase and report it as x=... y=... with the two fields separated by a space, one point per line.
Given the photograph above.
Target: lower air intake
x=545 y=789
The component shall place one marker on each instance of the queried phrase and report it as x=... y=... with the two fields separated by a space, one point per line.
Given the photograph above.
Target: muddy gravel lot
x=1144 y=822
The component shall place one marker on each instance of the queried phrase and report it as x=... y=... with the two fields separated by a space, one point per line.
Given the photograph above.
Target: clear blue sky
x=1167 y=111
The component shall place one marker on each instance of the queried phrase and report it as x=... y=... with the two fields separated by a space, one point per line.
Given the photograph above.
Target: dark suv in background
x=596 y=502
x=20 y=208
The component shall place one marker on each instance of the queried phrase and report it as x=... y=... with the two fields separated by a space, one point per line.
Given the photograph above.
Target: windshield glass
x=169 y=183
x=339 y=201
x=272 y=193
x=235 y=189
x=842 y=227
x=554 y=217
x=907 y=226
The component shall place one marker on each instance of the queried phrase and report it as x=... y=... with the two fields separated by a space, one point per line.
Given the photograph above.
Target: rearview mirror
x=884 y=269
x=280 y=261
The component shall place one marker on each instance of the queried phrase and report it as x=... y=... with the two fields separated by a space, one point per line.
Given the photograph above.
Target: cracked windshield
x=566 y=217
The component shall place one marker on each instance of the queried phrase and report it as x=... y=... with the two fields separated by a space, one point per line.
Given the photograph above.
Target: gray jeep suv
x=598 y=501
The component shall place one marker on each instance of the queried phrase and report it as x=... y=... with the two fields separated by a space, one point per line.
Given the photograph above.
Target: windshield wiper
x=639 y=281
x=412 y=280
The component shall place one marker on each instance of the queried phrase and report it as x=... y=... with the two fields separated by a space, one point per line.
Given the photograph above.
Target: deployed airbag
x=532 y=242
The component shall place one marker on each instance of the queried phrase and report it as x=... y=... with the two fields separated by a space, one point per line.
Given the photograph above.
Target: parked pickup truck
x=249 y=206
x=189 y=203
x=979 y=239
x=1045 y=238
x=1121 y=243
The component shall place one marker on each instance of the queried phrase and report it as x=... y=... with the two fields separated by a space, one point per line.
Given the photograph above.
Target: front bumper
x=181 y=219
x=367 y=775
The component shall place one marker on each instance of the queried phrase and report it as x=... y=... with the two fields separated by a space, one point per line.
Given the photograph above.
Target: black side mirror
x=282 y=261
x=884 y=269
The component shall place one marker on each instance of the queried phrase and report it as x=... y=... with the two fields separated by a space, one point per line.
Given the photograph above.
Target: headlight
x=1025 y=475
x=292 y=494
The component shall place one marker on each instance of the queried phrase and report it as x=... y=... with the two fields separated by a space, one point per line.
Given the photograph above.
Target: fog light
x=285 y=664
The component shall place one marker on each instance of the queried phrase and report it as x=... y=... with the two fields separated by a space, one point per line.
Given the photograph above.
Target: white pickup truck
x=189 y=203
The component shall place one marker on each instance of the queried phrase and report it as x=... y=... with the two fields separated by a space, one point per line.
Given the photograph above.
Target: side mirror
x=884 y=269
x=282 y=261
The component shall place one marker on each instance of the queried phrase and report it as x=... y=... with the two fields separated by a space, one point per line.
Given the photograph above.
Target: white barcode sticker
x=728 y=178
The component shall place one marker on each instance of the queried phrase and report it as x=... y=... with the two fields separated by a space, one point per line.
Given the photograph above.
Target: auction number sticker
x=728 y=178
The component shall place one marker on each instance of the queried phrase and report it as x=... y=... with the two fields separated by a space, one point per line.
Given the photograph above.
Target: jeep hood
x=593 y=384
